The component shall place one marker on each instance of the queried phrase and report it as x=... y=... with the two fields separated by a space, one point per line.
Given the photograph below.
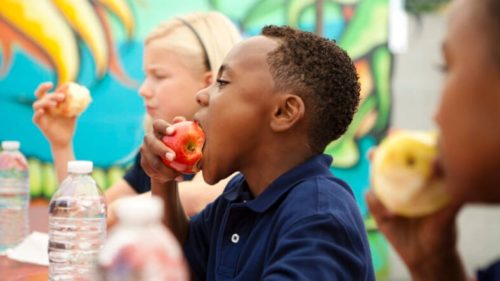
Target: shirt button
x=235 y=238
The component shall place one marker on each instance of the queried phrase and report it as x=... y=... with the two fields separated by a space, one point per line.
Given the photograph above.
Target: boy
x=468 y=117
x=279 y=99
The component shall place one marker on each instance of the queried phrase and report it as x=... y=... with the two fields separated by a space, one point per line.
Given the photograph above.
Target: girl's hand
x=58 y=130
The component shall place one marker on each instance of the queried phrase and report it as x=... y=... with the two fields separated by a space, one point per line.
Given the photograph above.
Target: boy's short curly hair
x=322 y=74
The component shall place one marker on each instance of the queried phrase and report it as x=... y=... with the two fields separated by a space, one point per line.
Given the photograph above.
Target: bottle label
x=13 y=162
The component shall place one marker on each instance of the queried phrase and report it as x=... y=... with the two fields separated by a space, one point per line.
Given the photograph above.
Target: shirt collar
x=316 y=165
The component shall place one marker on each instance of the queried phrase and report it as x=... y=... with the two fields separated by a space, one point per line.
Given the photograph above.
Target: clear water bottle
x=139 y=247
x=77 y=225
x=14 y=196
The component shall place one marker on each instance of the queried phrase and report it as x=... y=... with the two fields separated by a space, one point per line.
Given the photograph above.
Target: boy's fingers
x=154 y=145
x=371 y=202
x=43 y=89
x=449 y=213
x=178 y=119
x=170 y=131
x=377 y=209
x=154 y=166
x=150 y=162
x=170 y=154
x=146 y=164
x=392 y=131
x=160 y=127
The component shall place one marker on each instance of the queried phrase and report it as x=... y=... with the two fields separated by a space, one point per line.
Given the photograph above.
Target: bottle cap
x=11 y=145
x=139 y=209
x=80 y=167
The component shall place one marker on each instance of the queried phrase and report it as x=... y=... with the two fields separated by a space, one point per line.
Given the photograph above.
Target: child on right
x=278 y=100
x=468 y=117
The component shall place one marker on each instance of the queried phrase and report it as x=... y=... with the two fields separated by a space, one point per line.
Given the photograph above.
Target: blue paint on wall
x=106 y=132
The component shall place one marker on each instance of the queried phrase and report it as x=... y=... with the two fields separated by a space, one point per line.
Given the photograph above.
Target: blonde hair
x=217 y=33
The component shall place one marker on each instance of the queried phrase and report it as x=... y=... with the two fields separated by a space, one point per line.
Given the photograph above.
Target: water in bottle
x=14 y=196
x=77 y=225
x=139 y=247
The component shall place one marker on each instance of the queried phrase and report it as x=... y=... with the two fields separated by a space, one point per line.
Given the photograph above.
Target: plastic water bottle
x=77 y=225
x=14 y=196
x=139 y=247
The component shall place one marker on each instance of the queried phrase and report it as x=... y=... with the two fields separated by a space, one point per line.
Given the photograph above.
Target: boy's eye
x=442 y=67
x=221 y=83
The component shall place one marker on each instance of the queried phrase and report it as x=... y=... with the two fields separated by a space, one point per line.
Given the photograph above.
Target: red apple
x=187 y=143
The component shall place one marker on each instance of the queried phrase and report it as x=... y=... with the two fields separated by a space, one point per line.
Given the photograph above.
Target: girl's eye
x=159 y=76
x=221 y=83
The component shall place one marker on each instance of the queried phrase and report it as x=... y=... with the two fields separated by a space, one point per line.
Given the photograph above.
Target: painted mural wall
x=98 y=43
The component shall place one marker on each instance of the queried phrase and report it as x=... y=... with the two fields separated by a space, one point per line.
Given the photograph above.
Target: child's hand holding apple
x=405 y=177
x=186 y=139
x=172 y=150
x=55 y=113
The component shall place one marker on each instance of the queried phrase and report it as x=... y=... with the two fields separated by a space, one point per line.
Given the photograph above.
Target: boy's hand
x=427 y=244
x=153 y=149
x=58 y=130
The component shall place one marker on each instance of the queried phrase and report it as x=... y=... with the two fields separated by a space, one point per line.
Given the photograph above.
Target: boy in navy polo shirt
x=279 y=99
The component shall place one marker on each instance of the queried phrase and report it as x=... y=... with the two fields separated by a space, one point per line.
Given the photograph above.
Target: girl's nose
x=144 y=90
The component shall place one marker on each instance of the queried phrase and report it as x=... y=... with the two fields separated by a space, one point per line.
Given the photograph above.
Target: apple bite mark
x=187 y=143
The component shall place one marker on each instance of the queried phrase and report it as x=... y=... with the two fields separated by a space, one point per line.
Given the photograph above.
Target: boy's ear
x=289 y=109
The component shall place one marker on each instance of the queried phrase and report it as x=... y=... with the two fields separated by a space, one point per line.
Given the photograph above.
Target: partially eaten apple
x=404 y=174
x=76 y=100
x=187 y=143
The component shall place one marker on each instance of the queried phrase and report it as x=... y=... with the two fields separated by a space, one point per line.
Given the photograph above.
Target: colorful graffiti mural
x=73 y=41
x=98 y=43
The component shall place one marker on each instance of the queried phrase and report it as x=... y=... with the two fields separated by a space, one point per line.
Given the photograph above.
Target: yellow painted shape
x=123 y=12
x=80 y=14
x=41 y=23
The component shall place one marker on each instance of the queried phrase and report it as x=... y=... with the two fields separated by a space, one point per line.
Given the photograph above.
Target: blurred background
x=395 y=44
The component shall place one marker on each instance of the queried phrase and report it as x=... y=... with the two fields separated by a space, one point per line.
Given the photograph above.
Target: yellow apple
x=403 y=174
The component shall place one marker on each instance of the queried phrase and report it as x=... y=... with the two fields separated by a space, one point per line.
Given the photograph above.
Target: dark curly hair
x=322 y=74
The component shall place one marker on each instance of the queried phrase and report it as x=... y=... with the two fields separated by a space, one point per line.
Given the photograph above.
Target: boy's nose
x=202 y=97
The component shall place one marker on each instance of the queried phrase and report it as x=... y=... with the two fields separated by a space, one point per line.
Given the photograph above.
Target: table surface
x=11 y=270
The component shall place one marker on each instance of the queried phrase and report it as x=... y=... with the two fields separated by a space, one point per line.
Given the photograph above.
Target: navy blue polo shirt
x=491 y=273
x=303 y=226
